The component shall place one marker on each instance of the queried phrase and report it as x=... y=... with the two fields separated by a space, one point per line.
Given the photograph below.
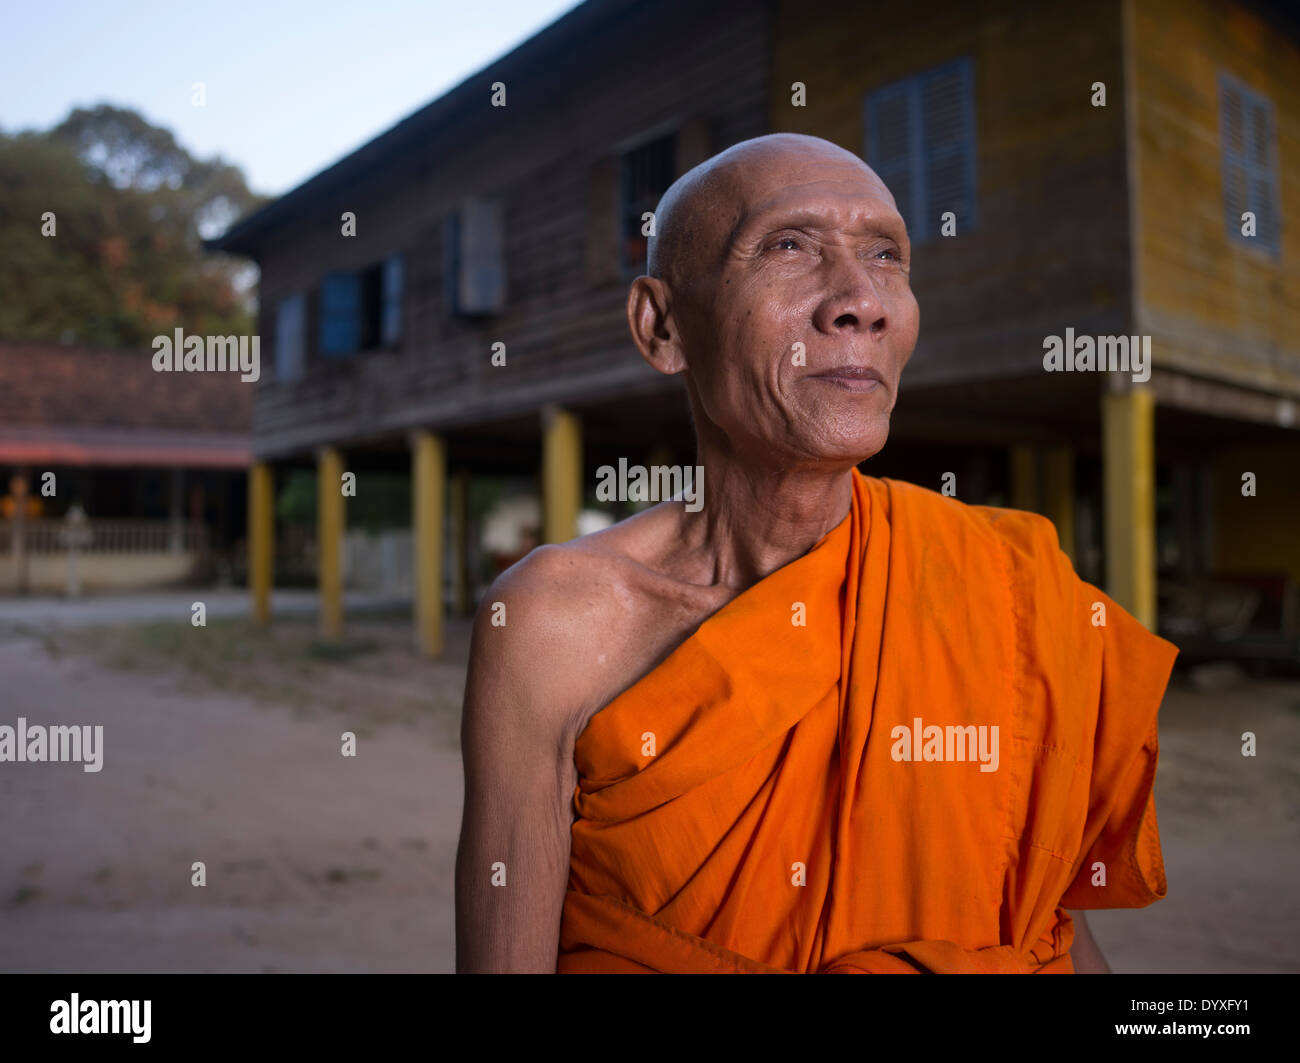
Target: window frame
x=376 y=307
x=667 y=134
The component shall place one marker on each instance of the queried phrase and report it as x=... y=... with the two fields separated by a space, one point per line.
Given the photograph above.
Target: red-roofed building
x=156 y=460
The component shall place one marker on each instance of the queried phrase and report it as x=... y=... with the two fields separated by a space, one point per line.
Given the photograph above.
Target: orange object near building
x=956 y=745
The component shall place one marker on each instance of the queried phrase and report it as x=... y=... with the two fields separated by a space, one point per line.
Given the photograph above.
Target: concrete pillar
x=460 y=542
x=1024 y=477
x=561 y=474
x=1058 y=496
x=428 y=503
x=261 y=538
x=1128 y=458
x=329 y=540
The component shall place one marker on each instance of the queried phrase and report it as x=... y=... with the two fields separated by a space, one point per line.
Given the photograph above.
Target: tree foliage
x=131 y=207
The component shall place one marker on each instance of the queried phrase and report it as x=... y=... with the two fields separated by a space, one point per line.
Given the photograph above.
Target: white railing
x=51 y=536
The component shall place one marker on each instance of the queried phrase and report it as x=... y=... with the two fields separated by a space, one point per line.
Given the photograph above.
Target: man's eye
x=787 y=240
x=891 y=252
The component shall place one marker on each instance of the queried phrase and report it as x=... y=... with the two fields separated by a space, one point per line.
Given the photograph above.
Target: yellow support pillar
x=329 y=540
x=1058 y=495
x=261 y=539
x=1128 y=457
x=561 y=474
x=428 y=503
x=1024 y=478
x=460 y=542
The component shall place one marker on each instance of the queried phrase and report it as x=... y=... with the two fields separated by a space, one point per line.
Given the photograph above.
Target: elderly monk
x=827 y=723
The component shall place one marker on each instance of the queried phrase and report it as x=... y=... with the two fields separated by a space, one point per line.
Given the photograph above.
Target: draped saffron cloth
x=771 y=797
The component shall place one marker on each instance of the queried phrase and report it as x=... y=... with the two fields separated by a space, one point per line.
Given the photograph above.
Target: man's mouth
x=852 y=378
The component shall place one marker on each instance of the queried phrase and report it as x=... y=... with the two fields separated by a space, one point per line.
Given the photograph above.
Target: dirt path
x=225 y=748
x=315 y=862
x=1230 y=831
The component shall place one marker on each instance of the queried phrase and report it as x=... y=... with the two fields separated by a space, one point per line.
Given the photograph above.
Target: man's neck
x=755 y=521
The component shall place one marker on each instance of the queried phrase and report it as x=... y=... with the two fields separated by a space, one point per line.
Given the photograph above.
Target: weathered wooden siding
x=549 y=156
x=1213 y=306
x=1051 y=246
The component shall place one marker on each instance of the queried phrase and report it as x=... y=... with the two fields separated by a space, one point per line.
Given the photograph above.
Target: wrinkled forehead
x=751 y=198
x=770 y=181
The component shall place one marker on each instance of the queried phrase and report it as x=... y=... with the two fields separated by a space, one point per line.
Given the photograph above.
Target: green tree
x=131 y=208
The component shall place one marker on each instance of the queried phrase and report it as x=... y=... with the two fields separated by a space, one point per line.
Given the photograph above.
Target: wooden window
x=473 y=263
x=290 y=334
x=920 y=139
x=646 y=173
x=362 y=309
x=1248 y=142
x=340 y=313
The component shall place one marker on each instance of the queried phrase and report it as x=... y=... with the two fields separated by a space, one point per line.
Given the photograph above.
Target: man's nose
x=852 y=303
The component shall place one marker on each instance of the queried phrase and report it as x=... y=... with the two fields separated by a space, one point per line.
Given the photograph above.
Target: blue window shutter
x=1247 y=143
x=1232 y=140
x=920 y=139
x=290 y=330
x=1262 y=190
x=473 y=258
x=394 y=284
x=891 y=132
x=482 y=258
x=947 y=119
x=340 y=327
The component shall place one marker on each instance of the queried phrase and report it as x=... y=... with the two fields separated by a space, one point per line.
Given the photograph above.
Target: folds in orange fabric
x=784 y=825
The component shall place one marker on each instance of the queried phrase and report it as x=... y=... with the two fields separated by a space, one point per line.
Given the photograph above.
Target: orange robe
x=753 y=805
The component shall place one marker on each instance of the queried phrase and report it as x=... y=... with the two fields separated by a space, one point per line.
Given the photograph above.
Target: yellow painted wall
x=1049 y=246
x=1211 y=304
x=1028 y=62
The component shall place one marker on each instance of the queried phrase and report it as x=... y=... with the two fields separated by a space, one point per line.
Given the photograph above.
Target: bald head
x=778 y=286
x=704 y=206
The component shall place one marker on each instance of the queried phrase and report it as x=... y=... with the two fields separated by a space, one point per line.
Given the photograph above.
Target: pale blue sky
x=291 y=86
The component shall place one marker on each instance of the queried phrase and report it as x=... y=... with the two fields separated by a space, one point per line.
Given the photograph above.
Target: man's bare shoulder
x=554 y=626
x=572 y=625
x=561 y=588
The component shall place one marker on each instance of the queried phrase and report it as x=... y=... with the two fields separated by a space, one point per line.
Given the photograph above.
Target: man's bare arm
x=519 y=777
x=1084 y=952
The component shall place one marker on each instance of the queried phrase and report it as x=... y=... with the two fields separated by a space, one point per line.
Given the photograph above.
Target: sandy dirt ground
x=223 y=746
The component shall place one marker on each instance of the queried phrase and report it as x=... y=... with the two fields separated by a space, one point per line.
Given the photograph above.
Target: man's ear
x=654 y=329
